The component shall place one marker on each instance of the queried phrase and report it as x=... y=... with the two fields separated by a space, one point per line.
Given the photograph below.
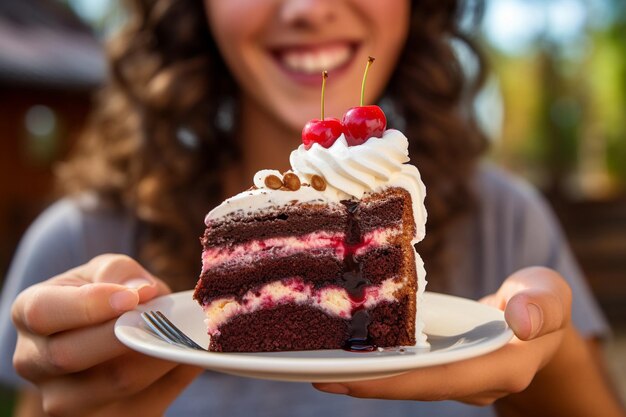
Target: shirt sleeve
x=51 y=246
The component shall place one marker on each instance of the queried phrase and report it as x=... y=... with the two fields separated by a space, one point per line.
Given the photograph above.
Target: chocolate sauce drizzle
x=353 y=281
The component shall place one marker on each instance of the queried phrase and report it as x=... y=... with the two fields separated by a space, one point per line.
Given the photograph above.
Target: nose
x=307 y=13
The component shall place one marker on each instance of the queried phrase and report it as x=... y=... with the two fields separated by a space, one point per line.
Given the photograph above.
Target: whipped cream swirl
x=354 y=169
x=351 y=171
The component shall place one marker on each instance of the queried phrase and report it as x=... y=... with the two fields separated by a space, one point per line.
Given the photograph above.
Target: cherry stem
x=370 y=60
x=324 y=76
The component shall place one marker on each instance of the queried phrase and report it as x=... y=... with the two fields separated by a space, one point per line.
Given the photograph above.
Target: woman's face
x=277 y=51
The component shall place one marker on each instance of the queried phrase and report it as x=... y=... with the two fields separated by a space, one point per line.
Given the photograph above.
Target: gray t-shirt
x=512 y=228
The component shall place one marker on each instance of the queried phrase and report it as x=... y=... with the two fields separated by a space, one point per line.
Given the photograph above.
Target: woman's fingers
x=121 y=269
x=478 y=381
x=532 y=314
x=453 y=381
x=111 y=382
x=47 y=309
x=66 y=342
x=88 y=295
x=537 y=302
x=37 y=358
x=106 y=383
x=157 y=397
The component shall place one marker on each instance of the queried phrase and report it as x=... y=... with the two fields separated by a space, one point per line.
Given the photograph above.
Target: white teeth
x=315 y=61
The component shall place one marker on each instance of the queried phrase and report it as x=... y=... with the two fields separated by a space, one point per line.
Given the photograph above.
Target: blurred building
x=50 y=63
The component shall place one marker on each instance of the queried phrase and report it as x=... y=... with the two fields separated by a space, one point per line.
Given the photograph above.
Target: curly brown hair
x=151 y=146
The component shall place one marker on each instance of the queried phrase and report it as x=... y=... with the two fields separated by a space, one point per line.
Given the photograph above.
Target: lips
x=309 y=60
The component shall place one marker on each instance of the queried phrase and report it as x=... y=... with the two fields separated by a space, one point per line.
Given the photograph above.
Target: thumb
x=538 y=302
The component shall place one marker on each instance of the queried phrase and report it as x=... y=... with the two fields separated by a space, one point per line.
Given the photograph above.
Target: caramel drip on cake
x=355 y=283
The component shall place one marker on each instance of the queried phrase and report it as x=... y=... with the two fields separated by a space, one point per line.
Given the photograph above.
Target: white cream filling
x=288 y=245
x=332 y=300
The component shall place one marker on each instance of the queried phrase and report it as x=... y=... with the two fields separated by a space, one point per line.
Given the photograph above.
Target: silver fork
x=166 y=330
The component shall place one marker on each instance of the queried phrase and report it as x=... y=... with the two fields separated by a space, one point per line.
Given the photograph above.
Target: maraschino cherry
x=322 y=131
x=363 y=122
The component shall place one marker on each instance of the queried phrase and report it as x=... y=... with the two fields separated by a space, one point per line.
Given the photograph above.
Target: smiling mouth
x=312 y=60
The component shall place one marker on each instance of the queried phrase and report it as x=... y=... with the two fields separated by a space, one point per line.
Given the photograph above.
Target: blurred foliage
x=565 y=102
x=609 y=84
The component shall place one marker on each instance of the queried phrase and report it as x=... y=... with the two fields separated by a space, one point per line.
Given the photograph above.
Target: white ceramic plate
x=457 y=329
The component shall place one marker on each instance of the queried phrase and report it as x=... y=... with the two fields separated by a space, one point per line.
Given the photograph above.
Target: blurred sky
x=92 y=10
x=513 y=26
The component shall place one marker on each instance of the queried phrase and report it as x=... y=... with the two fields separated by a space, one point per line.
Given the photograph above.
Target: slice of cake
x=321 y=257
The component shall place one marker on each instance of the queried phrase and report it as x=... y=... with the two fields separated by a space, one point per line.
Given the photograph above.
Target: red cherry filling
x=324 y=132
x=363 y=122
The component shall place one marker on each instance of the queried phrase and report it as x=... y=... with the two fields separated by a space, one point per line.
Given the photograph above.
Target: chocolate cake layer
x=376 y=231
x=300 y=220
x=320 y=270
x=393 y=208
x=381 y=263
x=300 y=327
x=288 y=221
x=393 y=324
x=232 y=281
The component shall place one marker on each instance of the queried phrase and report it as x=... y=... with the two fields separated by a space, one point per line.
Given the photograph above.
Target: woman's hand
x=536 y=303
x=67 y=348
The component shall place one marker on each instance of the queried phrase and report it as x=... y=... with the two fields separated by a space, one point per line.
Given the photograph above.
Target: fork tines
x=167 y=331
